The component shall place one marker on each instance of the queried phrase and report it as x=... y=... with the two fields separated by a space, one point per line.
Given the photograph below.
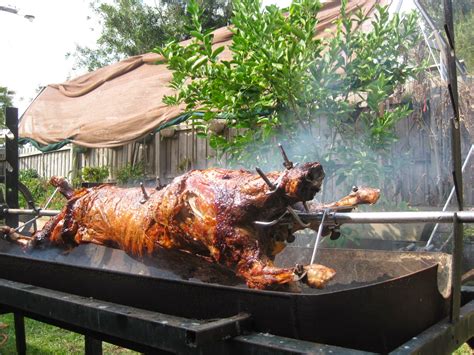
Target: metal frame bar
x=443 y=337
x=147 y=330
x=133 y=325
x=11 y=168
x=151 y=331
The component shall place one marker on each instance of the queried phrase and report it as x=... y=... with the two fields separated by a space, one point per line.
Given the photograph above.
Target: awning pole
x=456 y=157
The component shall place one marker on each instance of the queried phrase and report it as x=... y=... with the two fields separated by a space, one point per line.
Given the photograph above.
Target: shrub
x=130 y=173
x=40 y=189
x=94 y=173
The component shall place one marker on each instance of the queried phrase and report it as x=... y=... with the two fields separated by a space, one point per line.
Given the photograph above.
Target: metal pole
x=453 y=93
x=31 y=212
x=456 y=272
x=11 y=169
x=20 y=338
x=334 y=217
x=389 y=217
x=456 y=156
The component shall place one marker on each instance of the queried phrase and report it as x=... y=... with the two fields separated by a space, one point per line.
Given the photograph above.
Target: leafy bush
x=40 y=189
x=130 y=173
x=282 y=79
x=94 y=173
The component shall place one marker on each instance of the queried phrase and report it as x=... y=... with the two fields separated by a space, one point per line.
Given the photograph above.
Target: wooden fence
x=164 y=157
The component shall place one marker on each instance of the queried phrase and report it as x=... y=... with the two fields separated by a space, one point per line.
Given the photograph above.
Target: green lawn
x=46 y=339
x=463 y=350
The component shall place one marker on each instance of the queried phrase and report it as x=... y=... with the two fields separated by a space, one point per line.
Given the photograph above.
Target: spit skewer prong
x=265 y=178
x=145 y=195
x=287 y=163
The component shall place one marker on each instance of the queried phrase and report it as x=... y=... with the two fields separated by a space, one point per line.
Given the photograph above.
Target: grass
x=45 y=339
x=42 y=339
x=463 y=350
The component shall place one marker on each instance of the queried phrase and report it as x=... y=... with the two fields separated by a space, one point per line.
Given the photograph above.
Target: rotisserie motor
x=210 y=213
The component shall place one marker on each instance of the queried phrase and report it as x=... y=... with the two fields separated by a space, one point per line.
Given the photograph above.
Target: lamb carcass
x=210 y=213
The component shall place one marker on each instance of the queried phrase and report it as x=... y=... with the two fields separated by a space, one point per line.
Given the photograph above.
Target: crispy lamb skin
x=205 y=212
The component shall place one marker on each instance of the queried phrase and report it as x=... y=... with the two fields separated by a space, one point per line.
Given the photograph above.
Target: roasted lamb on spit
x=210 y=213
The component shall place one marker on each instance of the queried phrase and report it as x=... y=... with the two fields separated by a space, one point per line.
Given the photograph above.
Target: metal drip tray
x=377 y=300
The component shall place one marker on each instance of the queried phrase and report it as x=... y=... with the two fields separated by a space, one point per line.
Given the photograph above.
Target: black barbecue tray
x=377 y=301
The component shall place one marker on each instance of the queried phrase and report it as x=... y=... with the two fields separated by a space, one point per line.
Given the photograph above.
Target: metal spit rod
x=335 y=217
x=338 y=218
x=31 y=212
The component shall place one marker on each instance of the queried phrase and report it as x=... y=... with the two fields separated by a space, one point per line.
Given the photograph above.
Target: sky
x=33 y=54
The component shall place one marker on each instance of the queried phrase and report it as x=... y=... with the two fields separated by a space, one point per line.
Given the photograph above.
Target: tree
x=282 y=81
x=130 y=27
x=6 y=100
x=464 y=39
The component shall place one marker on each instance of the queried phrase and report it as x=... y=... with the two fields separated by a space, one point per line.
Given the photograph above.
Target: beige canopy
x=122 y=102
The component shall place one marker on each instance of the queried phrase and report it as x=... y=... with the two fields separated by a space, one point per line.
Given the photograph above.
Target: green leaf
x=197 y=35
x=217 y=51
x=199 y=62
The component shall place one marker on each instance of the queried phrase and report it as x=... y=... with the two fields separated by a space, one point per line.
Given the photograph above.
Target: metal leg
x=11 y=175
x=20 y=333
x=457 y=270
x=92 y=346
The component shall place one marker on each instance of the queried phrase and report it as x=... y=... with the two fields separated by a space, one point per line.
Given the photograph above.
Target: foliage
x=40 y=189
x=268 y=73
x=6 y=98
x=464 y=39
x=131 y=27
x=94 y=173
x=282 y=81
x=130 y=173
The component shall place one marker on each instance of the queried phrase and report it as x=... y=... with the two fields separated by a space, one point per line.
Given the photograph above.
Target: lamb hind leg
x=11 y=235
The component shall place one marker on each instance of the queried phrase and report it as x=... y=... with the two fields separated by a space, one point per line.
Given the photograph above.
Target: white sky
x=32 y=54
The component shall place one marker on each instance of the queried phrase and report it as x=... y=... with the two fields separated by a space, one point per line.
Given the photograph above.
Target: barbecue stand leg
x=92 y=346
x=20 y=338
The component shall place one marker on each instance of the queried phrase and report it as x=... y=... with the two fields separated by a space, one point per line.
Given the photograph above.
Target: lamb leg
x=11 y=235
